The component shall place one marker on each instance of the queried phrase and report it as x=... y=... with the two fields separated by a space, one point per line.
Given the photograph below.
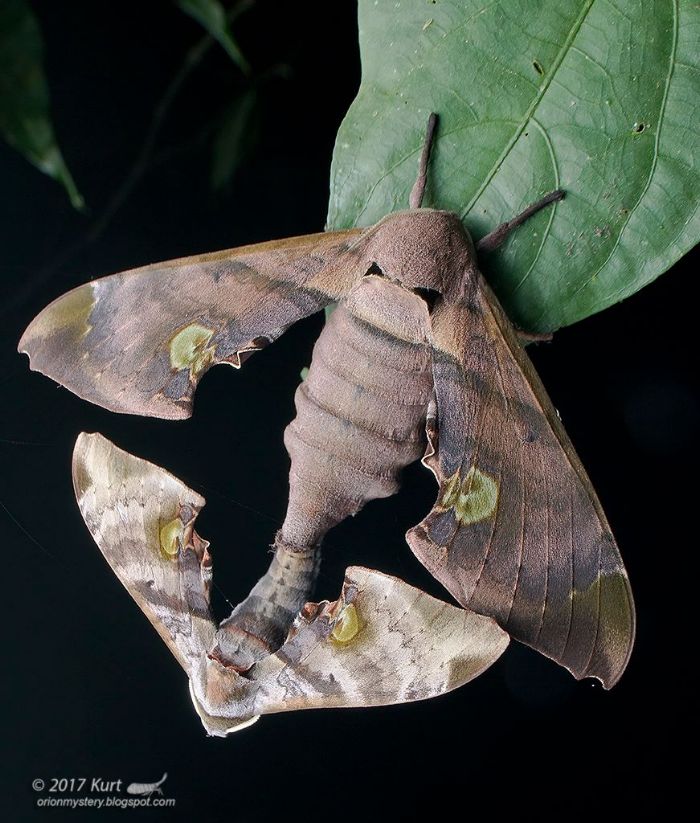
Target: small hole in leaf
x=638 y=128
x=537 y=66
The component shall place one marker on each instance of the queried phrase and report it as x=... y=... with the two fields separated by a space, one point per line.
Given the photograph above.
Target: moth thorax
x=423 y=249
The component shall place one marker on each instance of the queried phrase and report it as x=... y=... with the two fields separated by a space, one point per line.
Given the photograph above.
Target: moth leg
x=259 y=625
x=494 y=239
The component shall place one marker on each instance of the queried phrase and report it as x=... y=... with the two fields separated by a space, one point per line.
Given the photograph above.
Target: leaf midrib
x=533 y=105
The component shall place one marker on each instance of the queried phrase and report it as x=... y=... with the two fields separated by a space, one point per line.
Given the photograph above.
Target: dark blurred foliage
x=25 y=121
x=89 y=688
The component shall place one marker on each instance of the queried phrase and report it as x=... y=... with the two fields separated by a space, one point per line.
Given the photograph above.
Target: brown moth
x=418 y=361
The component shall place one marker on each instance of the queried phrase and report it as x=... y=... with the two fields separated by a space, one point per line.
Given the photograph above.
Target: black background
x=89 y=688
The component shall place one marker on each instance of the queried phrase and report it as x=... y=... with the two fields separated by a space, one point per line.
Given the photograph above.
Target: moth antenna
x=416 y=197
x=494 y=239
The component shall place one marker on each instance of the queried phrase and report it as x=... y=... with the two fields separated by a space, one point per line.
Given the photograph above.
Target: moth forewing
x=142 y=519
x=518 y=532
x=139 y=341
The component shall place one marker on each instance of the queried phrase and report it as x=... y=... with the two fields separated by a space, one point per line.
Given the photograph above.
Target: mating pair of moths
x=418 y=360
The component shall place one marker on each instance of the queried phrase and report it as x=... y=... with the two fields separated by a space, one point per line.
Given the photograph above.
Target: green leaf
x=598 y=97
x=24 y=96
x=211 y=15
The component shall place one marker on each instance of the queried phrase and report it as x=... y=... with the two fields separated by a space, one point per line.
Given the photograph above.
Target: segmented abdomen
x=360 y=411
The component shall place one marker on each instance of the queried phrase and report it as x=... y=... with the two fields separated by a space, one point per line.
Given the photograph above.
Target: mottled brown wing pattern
x=142 y=519
x=517 y=532
x=381 y=642
x=139 y=341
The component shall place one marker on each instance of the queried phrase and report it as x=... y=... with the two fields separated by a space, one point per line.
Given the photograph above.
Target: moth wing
x=381 y=642
x=517 y=532
x=139 y=341
x=142 y=519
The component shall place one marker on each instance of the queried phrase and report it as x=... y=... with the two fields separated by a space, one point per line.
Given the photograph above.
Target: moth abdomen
x=258 y=626
x=360 y=412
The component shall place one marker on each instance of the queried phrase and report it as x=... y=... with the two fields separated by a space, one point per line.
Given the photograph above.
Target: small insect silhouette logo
x=147 y=789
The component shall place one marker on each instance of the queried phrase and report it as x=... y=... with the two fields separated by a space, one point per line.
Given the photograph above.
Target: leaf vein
x=654 y=161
